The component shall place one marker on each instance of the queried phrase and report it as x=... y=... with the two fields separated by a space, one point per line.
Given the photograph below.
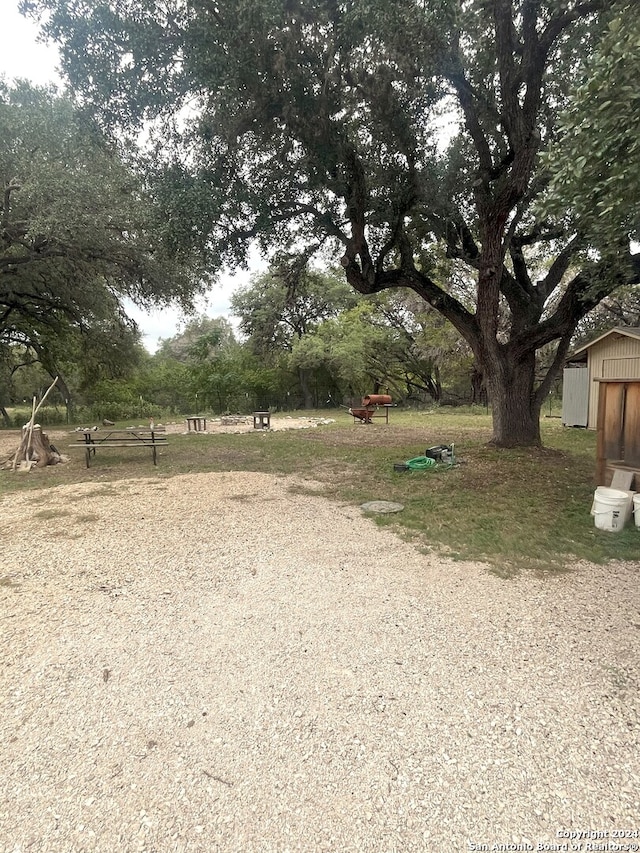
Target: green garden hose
x=420 y=463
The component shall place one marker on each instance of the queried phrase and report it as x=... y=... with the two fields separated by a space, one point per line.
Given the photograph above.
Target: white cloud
x=167 y=322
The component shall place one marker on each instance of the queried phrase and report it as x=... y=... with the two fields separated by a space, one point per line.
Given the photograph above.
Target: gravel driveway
x=220 y=662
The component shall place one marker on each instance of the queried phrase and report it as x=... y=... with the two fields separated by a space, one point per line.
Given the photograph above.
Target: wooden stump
x=35 y=450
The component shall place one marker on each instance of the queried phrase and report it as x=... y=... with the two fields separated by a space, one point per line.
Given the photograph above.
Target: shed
x=615 y=355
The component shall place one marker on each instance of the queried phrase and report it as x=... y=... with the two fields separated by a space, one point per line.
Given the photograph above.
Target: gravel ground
x=226 y=662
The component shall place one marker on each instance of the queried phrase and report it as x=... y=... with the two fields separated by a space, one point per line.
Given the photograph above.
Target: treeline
x=303 y=339
x=298 y=338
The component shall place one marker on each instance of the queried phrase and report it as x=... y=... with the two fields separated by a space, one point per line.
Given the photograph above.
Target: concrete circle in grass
x=382 y=506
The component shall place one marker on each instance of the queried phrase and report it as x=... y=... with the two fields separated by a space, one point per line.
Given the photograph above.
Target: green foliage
x=424 y=357
x=347 y=347
x=393 y=342
x=622 y=308
x=78 y=236
x=596 y=163
x=198 y=336
x=47 y=416
x=282 y=305
x=168 y=383
x=205 y=368
x=280 y=308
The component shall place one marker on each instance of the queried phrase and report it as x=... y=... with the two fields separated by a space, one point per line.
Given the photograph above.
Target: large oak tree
x=294 y=122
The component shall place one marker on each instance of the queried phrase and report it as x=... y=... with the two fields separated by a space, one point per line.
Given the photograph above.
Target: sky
x=21 y=55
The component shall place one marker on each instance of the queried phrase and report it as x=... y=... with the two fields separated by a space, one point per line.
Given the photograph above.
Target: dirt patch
x=244 y=423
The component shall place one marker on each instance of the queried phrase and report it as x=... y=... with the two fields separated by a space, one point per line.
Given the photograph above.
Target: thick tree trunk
x=65 y=393
x=307 y=396
x=516 y=412
x=478 y=388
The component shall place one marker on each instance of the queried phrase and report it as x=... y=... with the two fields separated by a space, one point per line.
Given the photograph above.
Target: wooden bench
x=90 y=440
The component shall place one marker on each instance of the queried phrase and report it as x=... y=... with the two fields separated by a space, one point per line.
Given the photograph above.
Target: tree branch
x=466 y=97
x=506 y=40
x=557 y=270
x=560 y=356
x=580 y=297
x=560 y=23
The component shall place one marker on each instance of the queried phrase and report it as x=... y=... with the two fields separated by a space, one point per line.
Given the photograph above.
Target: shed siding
x=621 y=368
x=575 y=396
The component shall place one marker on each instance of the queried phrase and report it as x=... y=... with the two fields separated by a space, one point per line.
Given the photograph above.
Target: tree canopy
x=79 y=233
x=595 y=163
x=287 y=302
x=283 y=305
x=296 y=123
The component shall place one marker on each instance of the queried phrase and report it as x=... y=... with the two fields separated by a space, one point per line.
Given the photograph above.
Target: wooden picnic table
x=92 y=439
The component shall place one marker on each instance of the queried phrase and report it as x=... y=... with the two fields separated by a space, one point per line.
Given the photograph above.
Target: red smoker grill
x=370 y=406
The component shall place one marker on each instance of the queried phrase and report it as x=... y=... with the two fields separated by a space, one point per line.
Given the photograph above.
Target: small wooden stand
x=196 y=424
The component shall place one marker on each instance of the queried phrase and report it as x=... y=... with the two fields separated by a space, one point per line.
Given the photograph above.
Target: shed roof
x=624 y=331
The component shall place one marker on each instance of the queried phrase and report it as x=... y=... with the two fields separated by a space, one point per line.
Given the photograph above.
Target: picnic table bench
x=91 y=439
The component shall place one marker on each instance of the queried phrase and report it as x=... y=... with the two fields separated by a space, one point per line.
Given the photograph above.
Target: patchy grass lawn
x=526 y=508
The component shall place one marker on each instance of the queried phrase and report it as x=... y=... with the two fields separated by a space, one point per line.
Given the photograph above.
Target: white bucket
x=636 y=509
x=609 y=509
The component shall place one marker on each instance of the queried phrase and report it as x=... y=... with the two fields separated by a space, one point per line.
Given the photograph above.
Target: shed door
x=575 y=396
